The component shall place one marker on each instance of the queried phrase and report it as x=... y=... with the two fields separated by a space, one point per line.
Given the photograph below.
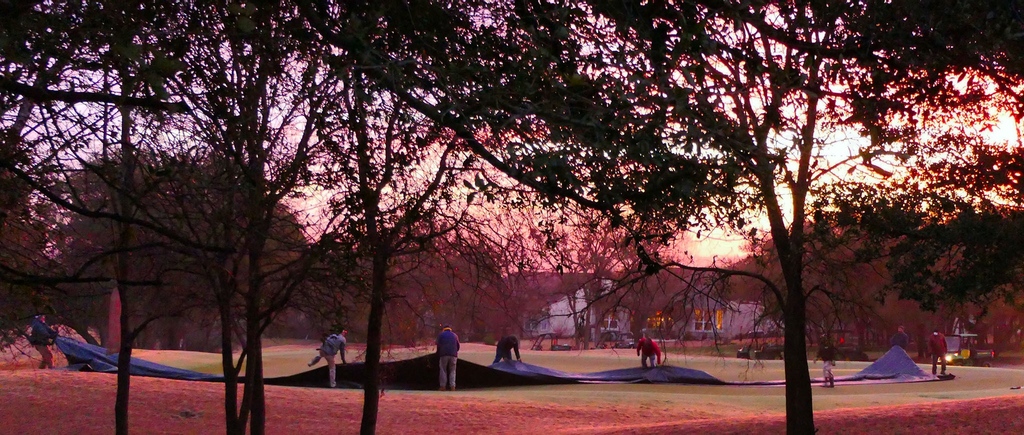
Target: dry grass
x=58 y=402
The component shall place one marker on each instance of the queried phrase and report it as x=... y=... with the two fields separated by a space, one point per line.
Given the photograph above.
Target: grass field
x=971 y=382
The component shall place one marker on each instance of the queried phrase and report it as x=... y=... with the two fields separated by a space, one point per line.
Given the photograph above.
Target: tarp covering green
x=421 y=373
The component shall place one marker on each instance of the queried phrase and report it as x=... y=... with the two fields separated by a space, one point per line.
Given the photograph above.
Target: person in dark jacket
x=333 y=343
x=505 y=347
x=649 y=350
x=41 y=337
x=900 y=338
x=448 y=356
x=827 y=355
x=937 y=350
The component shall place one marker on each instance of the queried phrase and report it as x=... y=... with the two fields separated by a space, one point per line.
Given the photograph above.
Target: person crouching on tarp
x=649 y=349
x=505 y=347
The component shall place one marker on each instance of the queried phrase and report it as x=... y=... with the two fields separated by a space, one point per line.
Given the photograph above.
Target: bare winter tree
x=393 y=179
x=260 y=103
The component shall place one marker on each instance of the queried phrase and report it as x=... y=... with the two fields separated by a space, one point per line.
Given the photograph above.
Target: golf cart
x=961 y=350
x=616 y=340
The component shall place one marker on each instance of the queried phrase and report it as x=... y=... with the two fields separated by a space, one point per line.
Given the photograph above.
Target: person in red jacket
x=649 y=349
x=937 y=349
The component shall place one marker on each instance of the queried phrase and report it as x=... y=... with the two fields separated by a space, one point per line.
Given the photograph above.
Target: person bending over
x=648 y=349
x=505 y=347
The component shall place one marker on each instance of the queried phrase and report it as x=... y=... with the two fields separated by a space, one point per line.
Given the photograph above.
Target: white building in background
x=561 y=317
x=702 y=319
x=723 y=320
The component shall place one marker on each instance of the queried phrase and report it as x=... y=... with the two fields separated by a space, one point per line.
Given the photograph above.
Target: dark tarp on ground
x=87 y=357
x=415 y=374
x=656 y=375
x=422 y=373
x=896 y=364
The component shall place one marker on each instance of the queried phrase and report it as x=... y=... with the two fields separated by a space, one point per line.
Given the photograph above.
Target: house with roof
x=579 y=313
x=594 y=309
x=721 y=320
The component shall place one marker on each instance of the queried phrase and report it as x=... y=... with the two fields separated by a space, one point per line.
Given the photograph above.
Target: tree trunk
x=254 y=371
x=799 y=403
x=125 y=239
x=233 y=425
x=371 y=385
x=124 y=378
x=112 y=341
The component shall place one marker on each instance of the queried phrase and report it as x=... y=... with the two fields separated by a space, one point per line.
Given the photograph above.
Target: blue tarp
x=893 y=367
x=421 y=373
x=654 y=375
x=87 y=357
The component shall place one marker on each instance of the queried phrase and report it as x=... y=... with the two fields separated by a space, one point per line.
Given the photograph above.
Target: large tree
x=57 y=56
x=392 y=178
x=261 y=102
x=948 y=221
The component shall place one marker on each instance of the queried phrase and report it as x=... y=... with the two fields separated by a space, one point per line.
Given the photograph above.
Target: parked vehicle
x=766 y=351
x=773 y=333
x=744 y=352
x=770 y=351
x=961 y=350
x=616 y=340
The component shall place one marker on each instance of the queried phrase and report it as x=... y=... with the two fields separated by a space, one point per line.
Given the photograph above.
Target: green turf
x=971 y=382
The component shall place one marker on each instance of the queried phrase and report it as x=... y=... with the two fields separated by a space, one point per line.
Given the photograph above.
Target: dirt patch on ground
x=60 y=402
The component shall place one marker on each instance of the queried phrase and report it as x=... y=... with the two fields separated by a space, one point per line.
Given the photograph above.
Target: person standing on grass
x=900 y=338
x=937 y=350
x=41 y=337
x=448 y=357
x=647 y=349
x=333 y=343
x=505 y=347
x=827 y=355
